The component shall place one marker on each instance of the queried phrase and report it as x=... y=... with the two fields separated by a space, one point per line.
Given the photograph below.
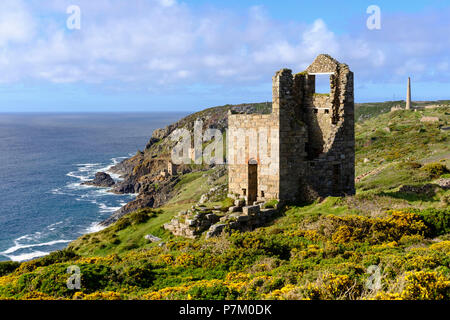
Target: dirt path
x=372 y=172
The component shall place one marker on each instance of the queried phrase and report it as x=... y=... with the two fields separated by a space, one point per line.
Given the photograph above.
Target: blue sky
x=171 y=55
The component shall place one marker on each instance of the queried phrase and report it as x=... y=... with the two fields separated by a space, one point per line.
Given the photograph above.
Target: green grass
x=407 y=139
x=111 y=240
x=316 y=251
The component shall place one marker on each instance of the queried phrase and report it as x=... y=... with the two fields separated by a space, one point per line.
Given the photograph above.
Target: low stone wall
x=197 y=220
x=249 y=219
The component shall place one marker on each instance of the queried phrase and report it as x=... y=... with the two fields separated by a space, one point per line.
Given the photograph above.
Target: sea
x=45 y=158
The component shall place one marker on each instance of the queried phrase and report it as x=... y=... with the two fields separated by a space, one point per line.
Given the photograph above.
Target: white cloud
x=16 y=23
x=319 y=39
x=165 y=43
x=167 y=3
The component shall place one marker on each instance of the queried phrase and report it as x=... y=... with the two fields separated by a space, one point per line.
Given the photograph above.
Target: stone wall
x=244 y=137
x=195 y=221
x=311 y=138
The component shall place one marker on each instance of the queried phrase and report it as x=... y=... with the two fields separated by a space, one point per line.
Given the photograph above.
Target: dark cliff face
x=142 y=172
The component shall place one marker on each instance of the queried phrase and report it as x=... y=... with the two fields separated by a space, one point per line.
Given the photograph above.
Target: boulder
x=215 y=230
x=444 y=183
x=243 y=218
x=204 y=198
x=101 y=179
x=251 y=210
x=212 y=218
x=152 y=238
x=429 y=119
x=426 y=189
x=234 y=209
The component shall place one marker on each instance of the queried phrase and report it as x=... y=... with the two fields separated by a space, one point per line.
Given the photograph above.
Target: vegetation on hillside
x=386 y=242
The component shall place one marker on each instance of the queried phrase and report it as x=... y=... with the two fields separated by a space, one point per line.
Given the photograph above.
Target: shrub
x=122 y=224
x=54 y=257
x=51 y=281
x=356 y=228
x=332 y=287
x=59 y=257
x=141 y=276
x=445 y=200
x=110 y=295
x=214 y=291
x=142 y=215
x=8 y=267
x=96 y=277
x=271 y=204
x=342 y=235
x=435 y=170
x=398 y=224
x=437 y=220
x=424 y=285
x=139 y=217
x=410 y=165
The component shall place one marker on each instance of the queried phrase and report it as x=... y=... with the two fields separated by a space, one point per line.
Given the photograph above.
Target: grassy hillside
x=325 y=250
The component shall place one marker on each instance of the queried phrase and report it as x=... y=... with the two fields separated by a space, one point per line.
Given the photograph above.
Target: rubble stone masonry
x=305 y=148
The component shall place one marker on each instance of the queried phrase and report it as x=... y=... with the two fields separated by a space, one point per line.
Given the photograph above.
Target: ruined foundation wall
x=330 y=120
x=246 y=134
x=316 y=141
x=293 y=136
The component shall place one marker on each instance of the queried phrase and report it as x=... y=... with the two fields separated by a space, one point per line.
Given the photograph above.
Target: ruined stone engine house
x=310 y=136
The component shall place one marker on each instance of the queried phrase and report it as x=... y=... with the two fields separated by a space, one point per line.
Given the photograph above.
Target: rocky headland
x=145 y=173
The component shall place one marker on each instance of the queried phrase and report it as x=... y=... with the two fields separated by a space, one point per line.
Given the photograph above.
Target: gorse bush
x=325 y=257
x=357 y=228
x=140 y=276
x=142 y=215
x=8 y=267
x=435 y=170
x=410 y=165
x=437 y=220
x=138 y=217
x=121 y=224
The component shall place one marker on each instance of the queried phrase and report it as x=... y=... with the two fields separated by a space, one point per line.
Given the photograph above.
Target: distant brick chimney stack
x=408 y=95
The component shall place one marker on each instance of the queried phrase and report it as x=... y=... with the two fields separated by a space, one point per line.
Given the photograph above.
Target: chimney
x=408 y=95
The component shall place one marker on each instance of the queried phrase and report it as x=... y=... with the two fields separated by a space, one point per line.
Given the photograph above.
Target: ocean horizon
x=45 y=158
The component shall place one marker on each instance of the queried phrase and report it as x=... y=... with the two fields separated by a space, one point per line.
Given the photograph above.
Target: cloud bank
x=166 y=44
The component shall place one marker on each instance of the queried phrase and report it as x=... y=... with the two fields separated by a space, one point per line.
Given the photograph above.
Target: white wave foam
x=75 y=174
x=56 y=191
x=55 y=224
x=88 y=165
x=95 y=227
x=27 y=256
x=18 y=246
x=106 y=209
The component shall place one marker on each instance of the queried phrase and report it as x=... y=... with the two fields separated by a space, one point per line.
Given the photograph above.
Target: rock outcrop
x=444 y=183
x=426 y=189
x=101 y=179
x=194 y=222
x=142 y=173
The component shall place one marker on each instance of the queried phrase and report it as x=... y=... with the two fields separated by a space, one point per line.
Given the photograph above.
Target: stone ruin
x=170 y=171
x=312 y=145
x=310 y=136
x=193 y=222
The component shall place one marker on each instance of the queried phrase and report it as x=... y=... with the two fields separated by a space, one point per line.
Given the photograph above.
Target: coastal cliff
x=141 y=174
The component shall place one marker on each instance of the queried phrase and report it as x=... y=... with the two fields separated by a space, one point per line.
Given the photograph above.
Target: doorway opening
x=252 y=182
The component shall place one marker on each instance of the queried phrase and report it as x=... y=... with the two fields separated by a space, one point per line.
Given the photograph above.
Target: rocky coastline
x=145 y=174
